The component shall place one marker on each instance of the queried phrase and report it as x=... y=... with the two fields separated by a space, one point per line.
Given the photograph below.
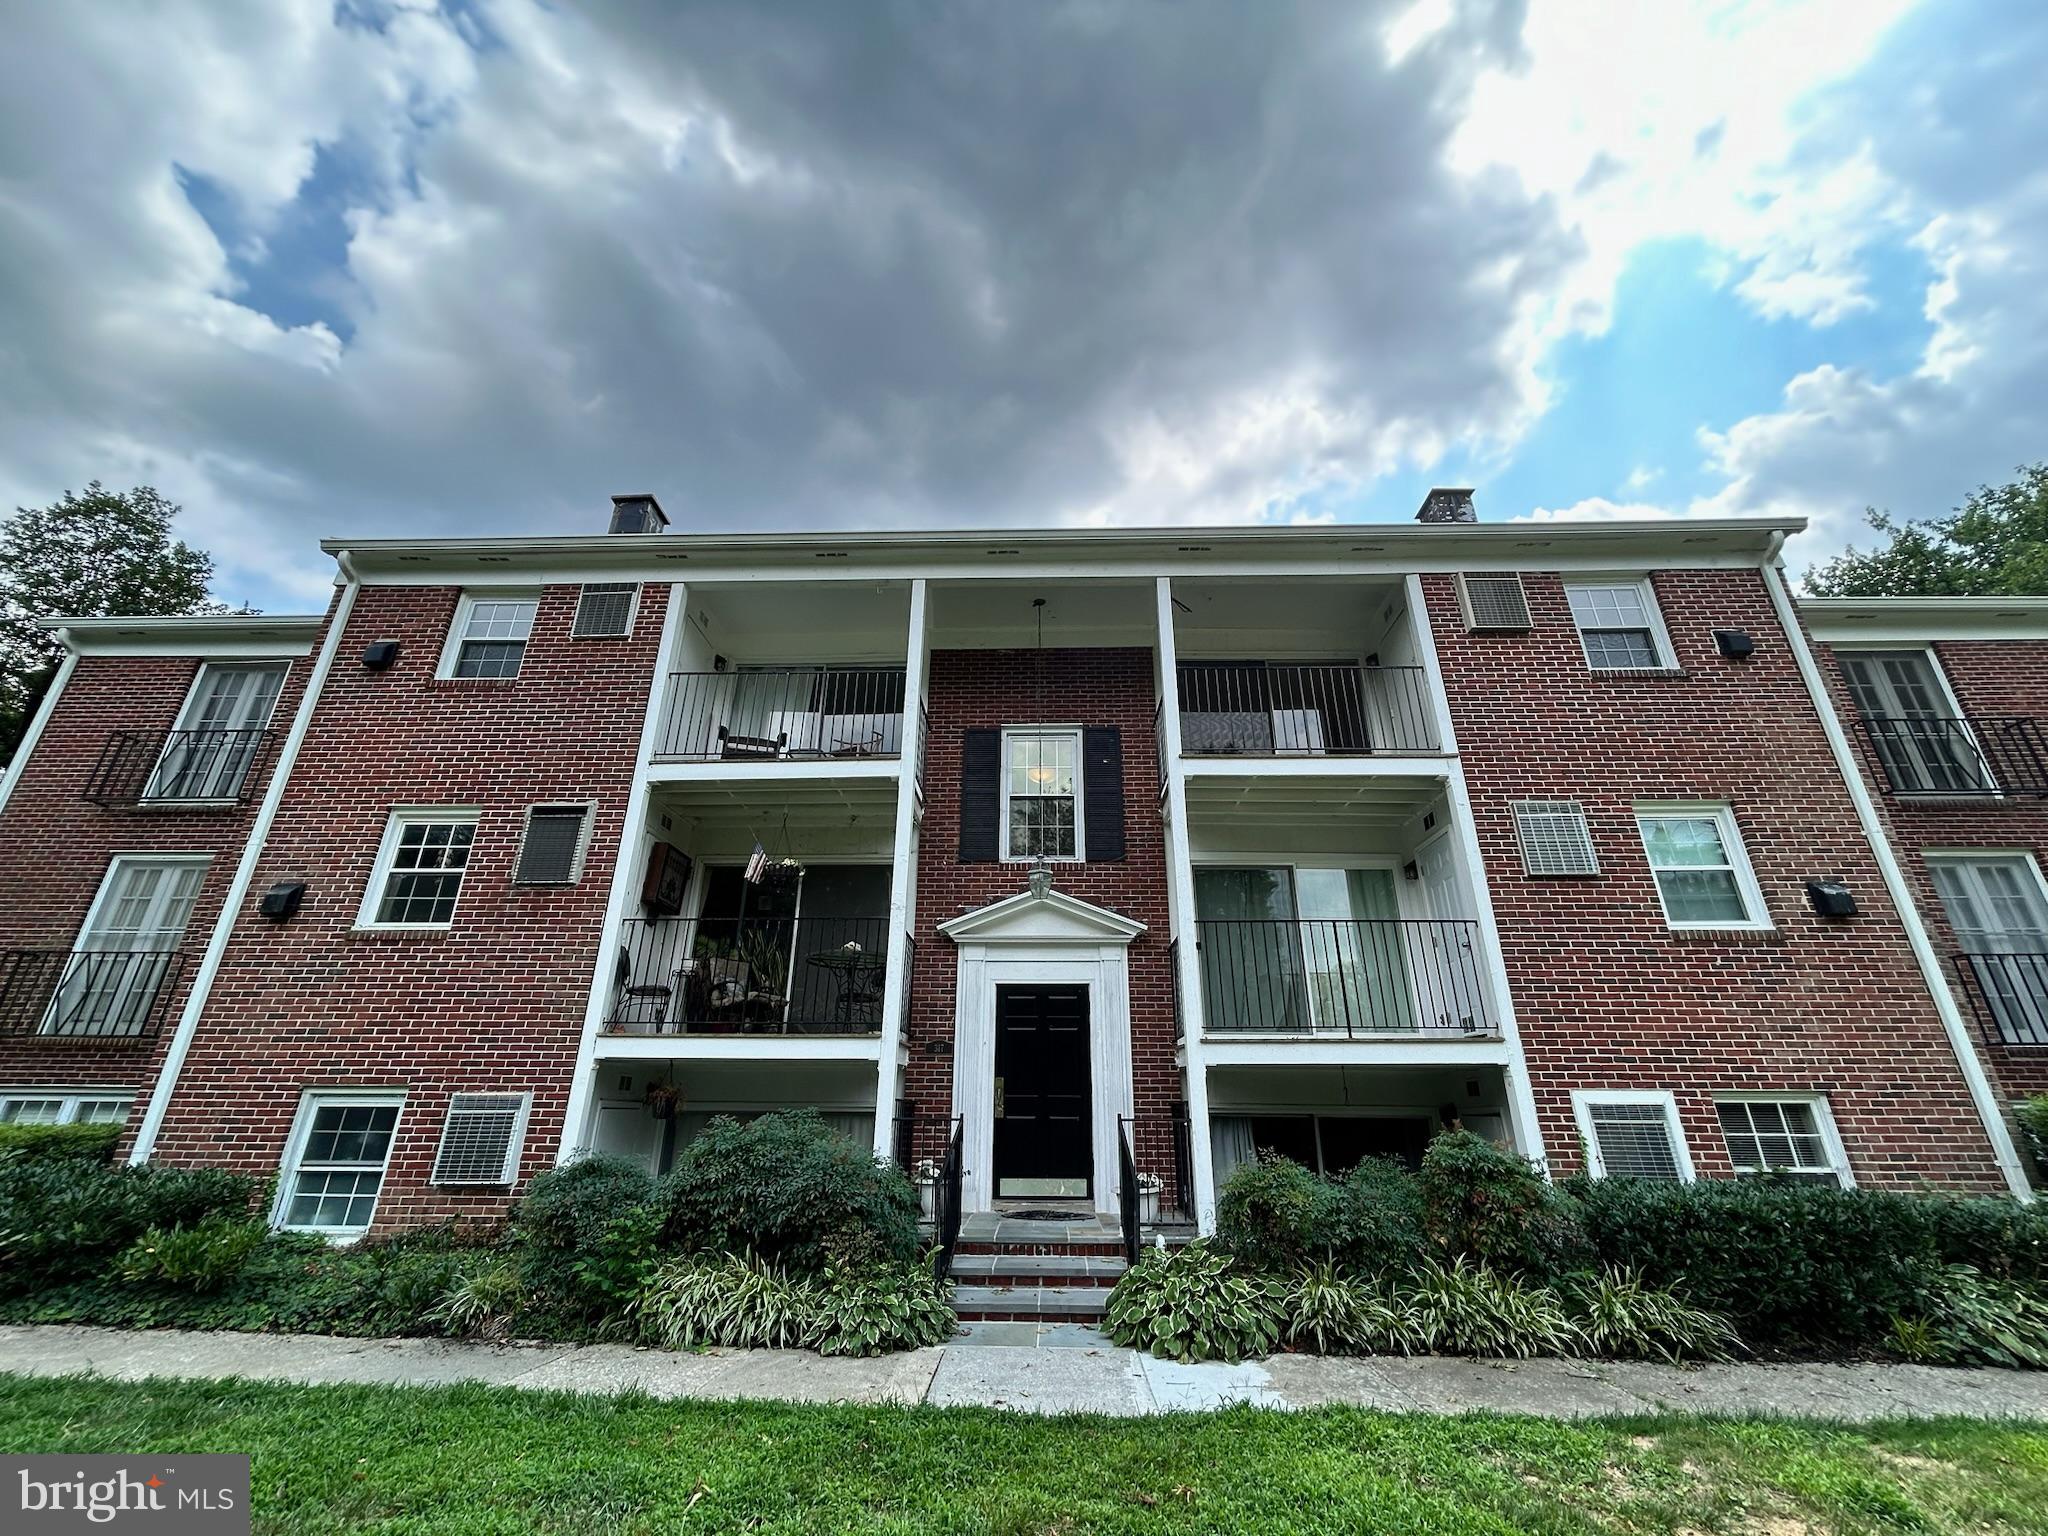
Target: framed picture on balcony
x=668 y=880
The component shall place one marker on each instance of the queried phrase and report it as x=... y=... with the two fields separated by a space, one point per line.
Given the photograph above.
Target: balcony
x=820 y=975
x=1355 y=978
x=2008 y=994
x=781 y=714
x=1286 y=709
x=1960 y=755
x=87 y=994
x=179 y=768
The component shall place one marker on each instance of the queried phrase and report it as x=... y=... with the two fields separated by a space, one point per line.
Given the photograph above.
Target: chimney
x=639 y=513
x=1447 y=504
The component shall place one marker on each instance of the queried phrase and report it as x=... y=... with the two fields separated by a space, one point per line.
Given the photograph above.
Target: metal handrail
x=1958 y=754
x=1343 y=976
x=781 y=713
x=1291 y=709
x=201 y=767
x=754 y=975
x=950 y=1180
x=87 y=994
x=1127 y=1191
x=2008 y=993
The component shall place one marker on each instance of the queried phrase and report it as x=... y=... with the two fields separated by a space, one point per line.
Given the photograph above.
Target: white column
x=1180 y=891
x=626 y=871
x=903 y=872
x=1528 y=1131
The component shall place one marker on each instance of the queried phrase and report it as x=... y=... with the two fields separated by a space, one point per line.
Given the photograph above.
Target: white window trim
x=1583 y=1100
x=451 y=647
x=1759 y=920
x=1660 y=638
x=1823 y=1117
x=387 y=849
x=589 y=809
x=1080 y=853
x=72 y=1099
x=288 y=1169
x=184 y=722
x=515 y=1146
x=632 y=609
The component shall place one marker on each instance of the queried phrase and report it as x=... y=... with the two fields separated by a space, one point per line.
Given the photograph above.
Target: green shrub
x=1274 y=1214
x=482 y=1299
x=739 y=1303
x=64 y=1217
x=586 y=1231
x=1468 y=1308
x=202 y=1257
x=1195 y=1303
x=870 y=1309
x=87 y=1143
x=1804 y=1266
x=789 y=1188
x=1484 y=1202
x=1620 y=1317
x=1969 y=1318
x=2032 y=1114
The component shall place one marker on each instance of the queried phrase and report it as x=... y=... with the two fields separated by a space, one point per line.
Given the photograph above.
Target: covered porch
x=647 y=1109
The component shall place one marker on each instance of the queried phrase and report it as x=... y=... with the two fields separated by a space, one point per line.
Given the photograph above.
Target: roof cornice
x=211 y=634
x=1909 y=619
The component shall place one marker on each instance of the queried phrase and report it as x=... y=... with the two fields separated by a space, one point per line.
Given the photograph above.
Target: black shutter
x=1102 y=792
x=981 y=766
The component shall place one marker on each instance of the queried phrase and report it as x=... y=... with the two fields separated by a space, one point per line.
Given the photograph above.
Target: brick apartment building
x=1191 y=841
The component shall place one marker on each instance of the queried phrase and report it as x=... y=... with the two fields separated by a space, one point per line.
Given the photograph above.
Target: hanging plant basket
x=662 y=1100
x=782 y=875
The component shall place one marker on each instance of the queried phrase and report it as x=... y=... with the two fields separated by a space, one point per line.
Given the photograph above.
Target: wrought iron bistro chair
x=639 y=1007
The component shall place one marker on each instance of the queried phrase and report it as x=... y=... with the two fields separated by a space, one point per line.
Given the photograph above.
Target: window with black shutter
x=552 y=851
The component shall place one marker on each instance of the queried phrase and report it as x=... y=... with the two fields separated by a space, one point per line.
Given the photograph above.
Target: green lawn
x=473 y=1459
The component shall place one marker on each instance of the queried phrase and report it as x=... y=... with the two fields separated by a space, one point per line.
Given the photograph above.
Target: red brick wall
x=1606 y=996
x=1112 y=687
x=56 y=847
x=494 y=1003
x=1988 y=678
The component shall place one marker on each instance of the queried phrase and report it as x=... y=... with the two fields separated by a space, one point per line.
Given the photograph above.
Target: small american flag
x=757 y=865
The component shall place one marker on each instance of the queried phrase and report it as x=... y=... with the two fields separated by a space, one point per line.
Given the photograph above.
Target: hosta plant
x=1195 y=1303
x=1618 y=1315
x=1970 y=1318
x=870 y=1309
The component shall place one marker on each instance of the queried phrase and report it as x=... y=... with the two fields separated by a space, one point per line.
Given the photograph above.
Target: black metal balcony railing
x=1256 y=709
x=87 y=994
x=179 y=767
x=792 y=712
x=2008 y=994
x=1343 y=976
x=775 y=975
x=1962 y=755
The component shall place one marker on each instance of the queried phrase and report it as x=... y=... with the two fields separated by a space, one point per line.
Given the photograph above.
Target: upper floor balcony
x=1303 y=709
x=184 y=768
x=780 y=714
x=1343 y=976
x=1940 y=755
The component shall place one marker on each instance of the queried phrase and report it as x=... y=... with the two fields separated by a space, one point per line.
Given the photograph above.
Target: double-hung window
x=334 y=1164
x=1042 y=795
x=1619 y=627
x=1702 y=873
x=1793 y=1137
x=490 y=634
x=419 y=870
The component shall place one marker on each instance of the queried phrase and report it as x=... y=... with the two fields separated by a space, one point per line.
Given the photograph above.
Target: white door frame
x=1033 y=940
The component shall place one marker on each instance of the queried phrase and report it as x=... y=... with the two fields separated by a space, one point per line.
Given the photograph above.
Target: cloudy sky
x=383 y=267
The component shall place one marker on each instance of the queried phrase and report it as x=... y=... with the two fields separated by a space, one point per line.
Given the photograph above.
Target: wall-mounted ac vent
x=1494 y=605
x=1555 y=838
x=605 y=610
x=480 y=1139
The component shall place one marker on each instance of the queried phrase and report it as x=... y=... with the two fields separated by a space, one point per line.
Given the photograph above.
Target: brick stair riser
x=984 y=1315
x=1044 y=1250
x=1039 y=1282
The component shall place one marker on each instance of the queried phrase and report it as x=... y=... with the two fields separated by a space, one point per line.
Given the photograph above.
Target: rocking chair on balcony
x=762 y=748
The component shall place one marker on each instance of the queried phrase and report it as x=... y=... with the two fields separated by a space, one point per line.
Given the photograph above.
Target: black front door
x=1042 y=1142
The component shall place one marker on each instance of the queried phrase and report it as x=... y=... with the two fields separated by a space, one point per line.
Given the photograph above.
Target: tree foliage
x=1994 y=545
x=100 y=552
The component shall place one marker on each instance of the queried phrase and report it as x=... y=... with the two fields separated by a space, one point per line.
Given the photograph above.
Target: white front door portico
x=1040 y=937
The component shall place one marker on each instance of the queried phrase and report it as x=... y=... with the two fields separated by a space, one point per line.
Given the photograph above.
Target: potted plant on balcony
x=926 y=1176
x=1149 y=1186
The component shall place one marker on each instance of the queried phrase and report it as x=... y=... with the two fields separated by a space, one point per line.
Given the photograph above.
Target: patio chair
x=762 y=748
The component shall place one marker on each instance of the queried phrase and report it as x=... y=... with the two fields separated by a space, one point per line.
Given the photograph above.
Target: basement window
x=334 y=1164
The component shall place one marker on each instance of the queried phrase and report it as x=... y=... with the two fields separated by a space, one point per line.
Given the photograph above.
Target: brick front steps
x=1010 y=1270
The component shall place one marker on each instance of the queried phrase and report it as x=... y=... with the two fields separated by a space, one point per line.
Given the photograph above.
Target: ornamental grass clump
x=1617 y=1315
x=1468 y=1308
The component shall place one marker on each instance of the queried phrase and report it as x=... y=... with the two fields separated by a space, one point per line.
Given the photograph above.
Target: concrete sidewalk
x=1057 y=1371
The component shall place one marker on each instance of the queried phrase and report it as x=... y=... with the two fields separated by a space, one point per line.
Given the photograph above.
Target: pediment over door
x=1054 y=918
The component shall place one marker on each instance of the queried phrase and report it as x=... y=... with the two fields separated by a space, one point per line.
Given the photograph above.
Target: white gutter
x=1981 y=1095
x=34 y=733
x=245 y=873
